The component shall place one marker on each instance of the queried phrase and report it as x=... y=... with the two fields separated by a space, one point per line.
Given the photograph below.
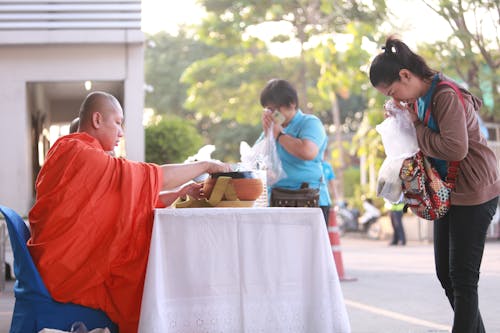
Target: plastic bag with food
x=264 y=156
x=400 y=142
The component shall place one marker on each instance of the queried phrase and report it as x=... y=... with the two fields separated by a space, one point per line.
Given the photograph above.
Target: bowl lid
x=234 y=174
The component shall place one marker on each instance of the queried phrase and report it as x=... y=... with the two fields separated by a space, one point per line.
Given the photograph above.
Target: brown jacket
x=460 y=139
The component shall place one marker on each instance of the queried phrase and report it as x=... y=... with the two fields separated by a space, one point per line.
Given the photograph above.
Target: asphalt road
x=397 y=291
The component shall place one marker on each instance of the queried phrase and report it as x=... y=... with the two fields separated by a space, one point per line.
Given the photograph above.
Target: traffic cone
x=334 y=235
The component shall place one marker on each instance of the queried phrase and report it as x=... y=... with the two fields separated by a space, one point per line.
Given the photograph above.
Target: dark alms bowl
x=234 y=174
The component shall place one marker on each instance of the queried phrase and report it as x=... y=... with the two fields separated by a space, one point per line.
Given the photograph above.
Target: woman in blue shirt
x=300 y=139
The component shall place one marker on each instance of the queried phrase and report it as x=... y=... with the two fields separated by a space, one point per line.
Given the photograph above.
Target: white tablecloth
x=229 y=270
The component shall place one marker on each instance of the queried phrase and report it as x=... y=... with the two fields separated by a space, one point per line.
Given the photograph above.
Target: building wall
x=20 y=64
x=62 y=41
x=43 y=15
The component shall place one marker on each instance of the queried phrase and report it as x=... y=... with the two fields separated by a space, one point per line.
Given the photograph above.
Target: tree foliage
x=214 y=78
x=227 y=136
x=307 y=19
x=223 y=87
x=367 y=145
x=166 y=58
x=472 y=52
x=171 y=140
x=342 y=71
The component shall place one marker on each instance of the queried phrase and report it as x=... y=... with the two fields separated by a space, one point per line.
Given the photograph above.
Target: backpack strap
x=453 y=166
x=455 y=88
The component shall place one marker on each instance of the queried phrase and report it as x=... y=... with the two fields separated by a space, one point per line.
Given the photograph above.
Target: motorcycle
x=350 y=219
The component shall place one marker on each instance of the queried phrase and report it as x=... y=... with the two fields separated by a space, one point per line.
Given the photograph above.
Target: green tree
x=342 y=74
x=171 y=140
x=228 y=87
x=166 y=58
x=227 y=135
x=367 y=145
x=307 y=19
x=472 y=52
x=351 y=180
x=224 y=86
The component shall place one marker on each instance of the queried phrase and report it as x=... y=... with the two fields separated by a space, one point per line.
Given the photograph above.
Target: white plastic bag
x=400 y=142
x=388 y=182
x=399 y=136
x=263 y=156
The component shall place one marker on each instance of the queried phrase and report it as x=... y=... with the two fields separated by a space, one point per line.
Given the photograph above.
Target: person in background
x=300 y=139
x=370 y=213
x=396 y=214
x=73 y=126
x=329 y=176
x=92 y=220
x=452 y=134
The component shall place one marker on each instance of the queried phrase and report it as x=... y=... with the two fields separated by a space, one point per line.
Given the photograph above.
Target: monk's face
x=111 y=127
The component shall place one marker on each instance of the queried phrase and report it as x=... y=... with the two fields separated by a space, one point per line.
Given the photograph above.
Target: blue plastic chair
x=34 y=308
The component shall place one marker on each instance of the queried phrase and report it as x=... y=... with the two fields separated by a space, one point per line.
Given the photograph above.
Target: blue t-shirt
x=298 y=171
x=328 y=171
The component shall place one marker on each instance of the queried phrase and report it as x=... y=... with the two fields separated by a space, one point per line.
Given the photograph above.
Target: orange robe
x=91 y=227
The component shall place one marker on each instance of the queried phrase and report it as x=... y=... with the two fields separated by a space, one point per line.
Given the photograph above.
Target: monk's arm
x=175 y=175
x=194 y=190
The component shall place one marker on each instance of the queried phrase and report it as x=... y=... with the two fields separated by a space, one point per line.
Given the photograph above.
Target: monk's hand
x=214 y=166
x=194 y=190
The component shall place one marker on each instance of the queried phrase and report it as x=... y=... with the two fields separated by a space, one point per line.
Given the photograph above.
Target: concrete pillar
x=134 y=102
x=15 y=127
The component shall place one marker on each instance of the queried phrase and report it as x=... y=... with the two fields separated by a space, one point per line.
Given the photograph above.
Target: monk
x=92 y=220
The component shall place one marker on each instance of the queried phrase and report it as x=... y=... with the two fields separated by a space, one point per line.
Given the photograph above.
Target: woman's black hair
x=397 y=56
x=278 y=93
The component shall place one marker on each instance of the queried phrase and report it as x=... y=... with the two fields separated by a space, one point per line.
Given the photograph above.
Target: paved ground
x=395 y=292
x=6 y=306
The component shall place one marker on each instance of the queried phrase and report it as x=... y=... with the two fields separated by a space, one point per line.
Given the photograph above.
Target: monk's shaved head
x=101 y=116
x=97 y=101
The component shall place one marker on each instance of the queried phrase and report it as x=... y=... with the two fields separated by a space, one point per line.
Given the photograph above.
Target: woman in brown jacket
x=452 y=134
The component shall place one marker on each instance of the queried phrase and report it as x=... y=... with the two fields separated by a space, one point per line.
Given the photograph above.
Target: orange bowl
x=247 y=189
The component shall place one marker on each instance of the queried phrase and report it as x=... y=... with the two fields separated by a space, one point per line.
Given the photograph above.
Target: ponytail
x=397 y=56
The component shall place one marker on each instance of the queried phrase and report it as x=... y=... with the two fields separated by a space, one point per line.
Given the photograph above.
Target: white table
x=230 y=270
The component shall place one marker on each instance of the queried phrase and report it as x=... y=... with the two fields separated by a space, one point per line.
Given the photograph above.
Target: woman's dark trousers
x=459 y=239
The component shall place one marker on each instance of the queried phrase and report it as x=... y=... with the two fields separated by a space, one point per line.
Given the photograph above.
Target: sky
x=158 y=15
x=417 y=22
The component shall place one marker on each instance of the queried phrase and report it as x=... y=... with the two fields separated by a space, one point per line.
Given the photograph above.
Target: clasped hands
x=394 y=105
x=268 y=122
